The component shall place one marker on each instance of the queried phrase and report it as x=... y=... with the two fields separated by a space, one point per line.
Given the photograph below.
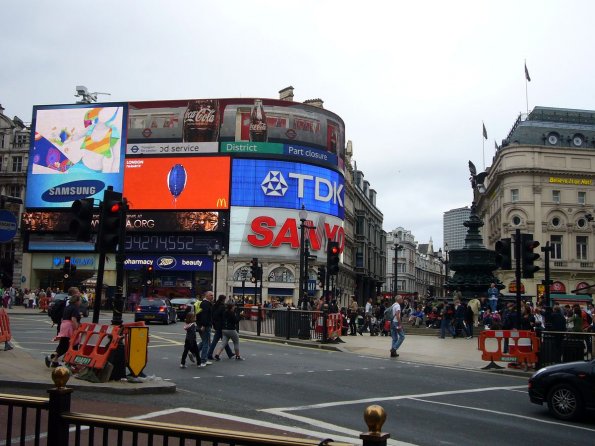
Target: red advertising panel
x=177 y=183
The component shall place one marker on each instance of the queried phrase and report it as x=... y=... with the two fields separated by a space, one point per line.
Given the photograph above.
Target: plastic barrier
x=522 y=349
x=92 y=344
x=334 y=323
x=5 y=335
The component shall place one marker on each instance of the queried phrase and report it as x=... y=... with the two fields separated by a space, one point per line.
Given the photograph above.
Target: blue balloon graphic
x=176 y=180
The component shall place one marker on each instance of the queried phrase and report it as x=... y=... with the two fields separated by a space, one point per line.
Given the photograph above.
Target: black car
x=568 y=389
x=155 y=309
x=183 y=306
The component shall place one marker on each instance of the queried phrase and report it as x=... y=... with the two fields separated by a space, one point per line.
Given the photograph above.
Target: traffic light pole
x=98 y=288
x=118 y=308
x=517 y=274
x=547 y=323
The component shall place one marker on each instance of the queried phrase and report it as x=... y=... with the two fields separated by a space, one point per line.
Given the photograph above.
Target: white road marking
x=507 y=414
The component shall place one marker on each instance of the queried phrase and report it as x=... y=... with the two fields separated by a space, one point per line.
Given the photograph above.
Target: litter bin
x=573 y=349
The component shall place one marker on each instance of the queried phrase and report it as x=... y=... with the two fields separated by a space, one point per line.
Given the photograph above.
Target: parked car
x=568 y=389
x=84 y=308
x=183 y=306
x=155 y=309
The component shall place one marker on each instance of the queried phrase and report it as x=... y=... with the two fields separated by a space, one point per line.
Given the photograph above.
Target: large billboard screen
x=281 y=184
x=194 y=125
x=77 y=151
x=268 y=232
x=177 y=183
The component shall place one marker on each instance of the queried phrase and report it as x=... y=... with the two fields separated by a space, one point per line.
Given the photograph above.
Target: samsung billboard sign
x=281 y=184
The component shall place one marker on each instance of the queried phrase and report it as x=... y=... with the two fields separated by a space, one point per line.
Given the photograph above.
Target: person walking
x=204 y=322
x=447 y=314
x=70 y=323
x=397 y=331
x=218 y=310
x=230 y=324
x=190 y=347
x=353 y=307
x=475 y=306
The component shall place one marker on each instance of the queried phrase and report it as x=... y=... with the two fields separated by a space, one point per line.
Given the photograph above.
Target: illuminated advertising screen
x=240 y=125
x=282 y=184
x=181 y=221
x=275 y=233
x=168 y=262
x=77 y=151
x=177 y=183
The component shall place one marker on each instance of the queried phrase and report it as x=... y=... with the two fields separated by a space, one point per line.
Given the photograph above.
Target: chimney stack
x=315 y=102
x=286 y=94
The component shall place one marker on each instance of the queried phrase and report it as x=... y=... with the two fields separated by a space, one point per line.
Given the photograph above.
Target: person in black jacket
x=218 y=310
x=230 y=323
x=204 y=321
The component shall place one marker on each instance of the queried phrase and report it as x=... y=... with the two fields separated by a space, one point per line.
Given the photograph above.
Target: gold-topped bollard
x=374 y=416
x=60 y=376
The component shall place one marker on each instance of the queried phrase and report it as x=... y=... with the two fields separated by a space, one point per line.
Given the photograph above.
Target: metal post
x=59 y=403
x=98 y=288
x=306 y=254
x=517 y=254
x=120 y=257
x=547 y=323
x=301 y=280
x=243 y=291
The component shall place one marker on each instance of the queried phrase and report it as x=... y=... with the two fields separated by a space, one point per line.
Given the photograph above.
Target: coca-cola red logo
x=258 y=127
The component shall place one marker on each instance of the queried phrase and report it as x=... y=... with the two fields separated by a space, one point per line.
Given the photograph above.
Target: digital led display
x=281 y=184
x=77 y=151
x=177 y=183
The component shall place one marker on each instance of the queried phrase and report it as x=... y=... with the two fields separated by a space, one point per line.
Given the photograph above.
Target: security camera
x=81 y=90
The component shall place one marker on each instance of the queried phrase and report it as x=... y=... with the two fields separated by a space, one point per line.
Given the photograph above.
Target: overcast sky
x=413 y=81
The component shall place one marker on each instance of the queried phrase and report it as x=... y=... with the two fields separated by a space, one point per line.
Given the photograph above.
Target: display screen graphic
x=77 y=151
x=177 y=183
x=281 y=184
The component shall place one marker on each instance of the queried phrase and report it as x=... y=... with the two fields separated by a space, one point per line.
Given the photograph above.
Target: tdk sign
x=281 y=184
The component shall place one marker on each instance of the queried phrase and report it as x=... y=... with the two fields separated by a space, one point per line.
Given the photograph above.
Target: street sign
x=8 y=226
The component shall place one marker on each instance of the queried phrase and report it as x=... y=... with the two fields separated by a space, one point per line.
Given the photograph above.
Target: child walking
x=190 y=347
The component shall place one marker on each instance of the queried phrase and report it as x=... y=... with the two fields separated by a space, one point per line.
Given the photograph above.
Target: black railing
x=64 y=428
x=565 y=346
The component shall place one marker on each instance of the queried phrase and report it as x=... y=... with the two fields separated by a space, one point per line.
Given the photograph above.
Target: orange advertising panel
x=177 y=183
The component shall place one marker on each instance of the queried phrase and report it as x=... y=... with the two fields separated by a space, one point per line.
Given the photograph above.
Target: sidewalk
x=18 y=368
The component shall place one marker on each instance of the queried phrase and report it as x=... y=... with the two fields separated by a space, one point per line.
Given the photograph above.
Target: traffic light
x=112 y=210
x=322 y=275
x=81 y=224
x=332 y=258
x=148 y=274
x=528 y=256
x=503 y=254
x=254 y=269
x=66 y=267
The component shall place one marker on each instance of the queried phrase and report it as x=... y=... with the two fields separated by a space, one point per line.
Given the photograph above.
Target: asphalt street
x=322 y=392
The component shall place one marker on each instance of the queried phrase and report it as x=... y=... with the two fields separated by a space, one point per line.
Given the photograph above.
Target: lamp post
x=396 y=248
x=304 y=252
x=217 y=255
x=444 y=260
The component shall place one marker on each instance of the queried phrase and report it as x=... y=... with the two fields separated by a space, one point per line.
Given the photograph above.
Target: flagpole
x=526 y=89
x=483 y=143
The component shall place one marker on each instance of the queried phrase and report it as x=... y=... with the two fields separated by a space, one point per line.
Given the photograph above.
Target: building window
x=556 y=196
x=14 y=190
x=581 y=223
x=21 y=141
x=581 y=247
x=556 y=245
x=582 y=197
x=514 y=195
x=516 y=220
x=17 y=163
x=555 y=222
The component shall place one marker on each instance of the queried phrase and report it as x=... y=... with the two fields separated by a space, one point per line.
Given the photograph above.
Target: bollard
x=59 y=402
x=374 y=416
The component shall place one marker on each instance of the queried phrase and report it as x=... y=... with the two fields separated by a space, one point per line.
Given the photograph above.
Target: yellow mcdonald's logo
x=221 y=203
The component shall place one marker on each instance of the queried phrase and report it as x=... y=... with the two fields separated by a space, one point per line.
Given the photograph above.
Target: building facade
x=541 y=182
x=453 y=230
x=14 y=158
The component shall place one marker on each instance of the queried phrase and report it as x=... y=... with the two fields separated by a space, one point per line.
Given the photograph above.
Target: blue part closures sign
x=8 y=226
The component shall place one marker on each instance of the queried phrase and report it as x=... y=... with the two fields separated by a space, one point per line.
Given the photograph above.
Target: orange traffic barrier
x=334 y=323
x=523 y=346
x=5 y=335
x=91 y=345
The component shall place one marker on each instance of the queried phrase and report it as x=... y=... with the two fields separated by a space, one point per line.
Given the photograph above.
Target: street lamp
x=444 y=260
x=304 y=252
x=217 y=255
x=396 y=248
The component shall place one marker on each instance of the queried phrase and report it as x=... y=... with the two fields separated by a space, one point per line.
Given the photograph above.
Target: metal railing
x=565 y=346
x=285 y=323
x=64 y=428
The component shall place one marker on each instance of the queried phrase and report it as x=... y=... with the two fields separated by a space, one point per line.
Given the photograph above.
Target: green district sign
x=251 y=147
